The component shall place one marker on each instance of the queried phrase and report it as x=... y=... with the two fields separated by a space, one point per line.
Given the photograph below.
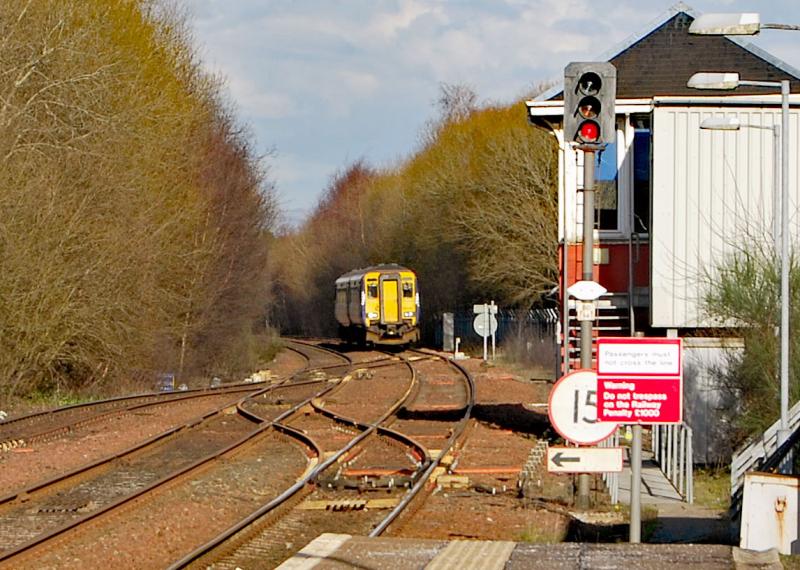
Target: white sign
x=480 y=309
x=584 y=459
x=639 y=357
x=586 y=290
x=586 y=310
x=480 y=323
x=573 y=409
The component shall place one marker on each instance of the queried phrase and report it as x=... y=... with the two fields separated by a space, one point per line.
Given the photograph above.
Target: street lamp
x=732 y=81
x=733 y=25
x=730 y=123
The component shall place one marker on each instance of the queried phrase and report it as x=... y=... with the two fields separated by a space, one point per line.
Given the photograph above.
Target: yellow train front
x=378 y=304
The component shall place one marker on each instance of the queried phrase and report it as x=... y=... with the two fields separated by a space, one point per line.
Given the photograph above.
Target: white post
x=635 y=530
x=492 y=329
x=783 y=433
x=776 y=188
x=486 y=329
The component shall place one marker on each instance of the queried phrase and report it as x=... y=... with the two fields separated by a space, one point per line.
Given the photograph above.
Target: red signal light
x=589 y=131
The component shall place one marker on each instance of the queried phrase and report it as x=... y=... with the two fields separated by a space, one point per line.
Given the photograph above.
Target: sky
x=322 y=84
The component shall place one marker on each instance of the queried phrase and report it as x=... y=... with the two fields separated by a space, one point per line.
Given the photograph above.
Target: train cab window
x=372 y=290
x=408 y=289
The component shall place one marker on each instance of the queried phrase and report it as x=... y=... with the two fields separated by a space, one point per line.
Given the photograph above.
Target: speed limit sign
x=573 y=409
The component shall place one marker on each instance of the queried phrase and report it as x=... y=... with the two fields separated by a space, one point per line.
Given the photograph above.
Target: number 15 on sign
x=573 y=409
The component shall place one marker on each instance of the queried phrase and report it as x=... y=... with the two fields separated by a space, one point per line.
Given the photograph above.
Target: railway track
x=323 y=443
x=362 y=488
x=34 y=514
x=47 y=425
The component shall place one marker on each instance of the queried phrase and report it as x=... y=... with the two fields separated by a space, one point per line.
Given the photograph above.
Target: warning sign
x=639 y=380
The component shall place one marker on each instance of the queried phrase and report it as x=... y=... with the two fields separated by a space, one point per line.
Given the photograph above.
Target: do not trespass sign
x=640 y=380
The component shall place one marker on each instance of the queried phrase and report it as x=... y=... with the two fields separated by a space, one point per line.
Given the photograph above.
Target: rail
x=368 y=429
x=425 y=476
x=162 y=481
x=762 y=454
x=672 y=450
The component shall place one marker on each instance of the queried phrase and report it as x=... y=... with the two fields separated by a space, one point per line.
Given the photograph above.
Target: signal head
x=589 y=97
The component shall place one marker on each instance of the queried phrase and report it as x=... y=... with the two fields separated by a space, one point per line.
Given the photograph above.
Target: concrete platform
x=678 y=521
x=342 y=551
x=656 y=488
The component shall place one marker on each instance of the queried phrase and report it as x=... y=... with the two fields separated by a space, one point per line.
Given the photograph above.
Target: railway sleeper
x=367 y=483
x=10 y=444
x=75 y=507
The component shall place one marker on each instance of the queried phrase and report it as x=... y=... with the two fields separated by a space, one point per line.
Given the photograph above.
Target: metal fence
x=672 y=450
x=527 y=336
x=611 y=479
x=757 y=453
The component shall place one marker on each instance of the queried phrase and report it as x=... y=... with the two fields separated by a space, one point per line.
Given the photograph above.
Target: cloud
x=387 y=25
x=258 y=102
x=322 y=81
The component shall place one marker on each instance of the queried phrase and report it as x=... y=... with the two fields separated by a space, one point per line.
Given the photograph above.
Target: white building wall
x=712 y=193
x=571 y=184
x=705 y=361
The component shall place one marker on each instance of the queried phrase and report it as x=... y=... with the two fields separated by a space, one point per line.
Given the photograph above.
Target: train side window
x=408 y=289
x=372 y=291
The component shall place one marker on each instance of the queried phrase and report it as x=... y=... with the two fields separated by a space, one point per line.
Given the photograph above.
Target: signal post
x=590 y=90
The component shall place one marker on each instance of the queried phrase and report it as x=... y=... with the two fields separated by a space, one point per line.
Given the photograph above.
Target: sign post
x=589 y=122
x=493 y=311
x=639 y=381
x=485 y=324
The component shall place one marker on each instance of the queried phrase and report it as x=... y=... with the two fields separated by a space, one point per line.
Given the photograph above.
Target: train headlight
x=408 y=314
x=372 y=315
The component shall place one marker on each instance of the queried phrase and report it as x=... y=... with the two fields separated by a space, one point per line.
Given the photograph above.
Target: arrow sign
x=560 y=459
x=584 y=459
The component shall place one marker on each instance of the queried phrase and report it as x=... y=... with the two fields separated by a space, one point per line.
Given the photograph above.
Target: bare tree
x=509 y=220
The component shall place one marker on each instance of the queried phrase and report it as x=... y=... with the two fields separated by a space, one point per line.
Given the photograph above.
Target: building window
x=606 y=188
x=641 y=174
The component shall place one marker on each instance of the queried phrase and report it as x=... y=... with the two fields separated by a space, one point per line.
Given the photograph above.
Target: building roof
x=661 y=60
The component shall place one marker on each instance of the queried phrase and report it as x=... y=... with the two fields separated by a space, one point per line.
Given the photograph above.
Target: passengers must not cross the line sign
x=639 y=380
x=584 y=459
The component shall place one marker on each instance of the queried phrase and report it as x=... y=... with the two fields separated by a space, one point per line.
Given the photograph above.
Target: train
x=378 y=305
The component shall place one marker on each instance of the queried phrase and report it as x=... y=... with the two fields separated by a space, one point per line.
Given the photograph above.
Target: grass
x=39 y=401
x=649 y=521
x=270 y=344
x=790 y=562
x=712 y=487
x=537 y=535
